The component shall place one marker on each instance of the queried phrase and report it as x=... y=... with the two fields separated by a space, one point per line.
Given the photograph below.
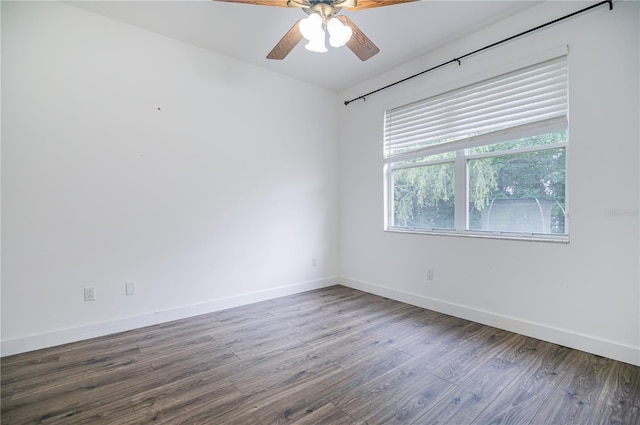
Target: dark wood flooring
x=330 y=356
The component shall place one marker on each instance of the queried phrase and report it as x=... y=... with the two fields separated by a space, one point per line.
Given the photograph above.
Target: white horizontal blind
x=515 y=100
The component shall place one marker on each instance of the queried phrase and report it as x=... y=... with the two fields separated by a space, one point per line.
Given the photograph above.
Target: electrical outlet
x=89 y=294
x=314 y=262
x=429 y=274
x=130 y=288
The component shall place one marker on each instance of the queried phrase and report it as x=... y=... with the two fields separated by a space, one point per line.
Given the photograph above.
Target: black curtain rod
x=458 y=59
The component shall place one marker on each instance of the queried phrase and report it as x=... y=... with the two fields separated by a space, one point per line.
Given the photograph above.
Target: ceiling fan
x=322 y=15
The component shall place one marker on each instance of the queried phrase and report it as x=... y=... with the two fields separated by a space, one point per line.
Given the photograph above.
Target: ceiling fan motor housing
x=325 y=10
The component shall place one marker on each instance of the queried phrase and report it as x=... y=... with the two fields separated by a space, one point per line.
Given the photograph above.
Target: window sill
x=531 y=237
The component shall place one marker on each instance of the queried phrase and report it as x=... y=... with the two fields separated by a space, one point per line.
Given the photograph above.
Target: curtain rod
x=457 y=60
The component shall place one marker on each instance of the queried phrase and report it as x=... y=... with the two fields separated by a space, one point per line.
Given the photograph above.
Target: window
x=486 y=159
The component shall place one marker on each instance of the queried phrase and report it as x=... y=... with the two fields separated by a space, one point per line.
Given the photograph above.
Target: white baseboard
x=599 y=346
x=590 y=344
x=64 y=336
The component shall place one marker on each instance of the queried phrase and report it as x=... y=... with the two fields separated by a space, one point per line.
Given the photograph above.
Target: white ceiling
x=248 y=32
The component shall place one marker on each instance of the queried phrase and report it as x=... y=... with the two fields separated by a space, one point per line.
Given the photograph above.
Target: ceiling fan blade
x=368 y=4
x=286 y=43
x=280 y=3
x=359 y=43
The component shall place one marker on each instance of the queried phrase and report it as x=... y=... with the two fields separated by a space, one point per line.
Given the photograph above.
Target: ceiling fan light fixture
x=320 y=12
x=339 y=33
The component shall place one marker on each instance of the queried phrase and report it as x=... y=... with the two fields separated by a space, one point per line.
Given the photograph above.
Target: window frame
x=460 y=162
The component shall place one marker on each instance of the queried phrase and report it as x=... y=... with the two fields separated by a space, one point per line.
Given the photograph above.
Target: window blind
x=532 y=96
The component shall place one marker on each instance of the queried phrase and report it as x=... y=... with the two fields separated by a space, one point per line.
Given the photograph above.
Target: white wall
x=127 y=156
x=120 y=162
x=584 y=294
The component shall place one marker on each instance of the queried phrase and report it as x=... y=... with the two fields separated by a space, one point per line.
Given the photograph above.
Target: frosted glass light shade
x=339 y=33
x=316 y=44
x=311 y=30
x=310 y=26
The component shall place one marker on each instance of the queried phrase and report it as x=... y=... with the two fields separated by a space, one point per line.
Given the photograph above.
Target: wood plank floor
x=330 y=356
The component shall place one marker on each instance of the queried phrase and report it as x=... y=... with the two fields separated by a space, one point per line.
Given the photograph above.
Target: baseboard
x=64 y=336
x=590 y=344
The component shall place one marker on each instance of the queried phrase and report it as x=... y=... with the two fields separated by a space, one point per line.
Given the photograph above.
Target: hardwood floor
x=331 y=356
